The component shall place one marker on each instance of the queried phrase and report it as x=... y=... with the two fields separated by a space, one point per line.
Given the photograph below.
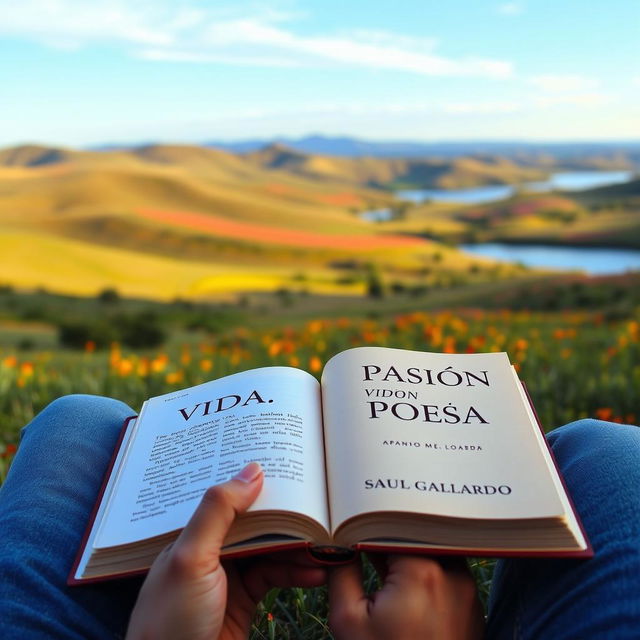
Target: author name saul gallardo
x=434 y=486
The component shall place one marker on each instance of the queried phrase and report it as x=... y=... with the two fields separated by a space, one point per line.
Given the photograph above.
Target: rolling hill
x=179 y=220
x=171 y=221
x=396 y=172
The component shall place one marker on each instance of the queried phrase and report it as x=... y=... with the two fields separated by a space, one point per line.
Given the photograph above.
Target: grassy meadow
x=175 y=265
x=576 y=363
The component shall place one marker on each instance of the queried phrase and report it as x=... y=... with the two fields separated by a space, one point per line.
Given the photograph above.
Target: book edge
x=71 y=578
x=588 y=552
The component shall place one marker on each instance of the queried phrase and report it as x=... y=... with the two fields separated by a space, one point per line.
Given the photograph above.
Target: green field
x=576 y=363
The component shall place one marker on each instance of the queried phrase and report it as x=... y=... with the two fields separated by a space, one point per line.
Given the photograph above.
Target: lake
x=566 y=180
x=591 y=260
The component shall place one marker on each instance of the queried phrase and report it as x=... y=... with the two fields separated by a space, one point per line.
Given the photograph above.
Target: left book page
x=187 y=441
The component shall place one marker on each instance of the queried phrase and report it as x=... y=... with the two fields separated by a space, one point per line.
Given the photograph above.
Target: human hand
x=189 y=594
x=420 y=599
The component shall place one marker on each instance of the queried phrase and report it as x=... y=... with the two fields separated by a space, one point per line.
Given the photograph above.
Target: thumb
x=347 y=598
x=204 y=535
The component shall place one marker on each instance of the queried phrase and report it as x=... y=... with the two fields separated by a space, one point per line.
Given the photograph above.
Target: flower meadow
x=575 y=365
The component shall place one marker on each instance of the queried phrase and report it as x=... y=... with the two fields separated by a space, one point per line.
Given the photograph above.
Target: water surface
x=565 y=180
x=591 y=260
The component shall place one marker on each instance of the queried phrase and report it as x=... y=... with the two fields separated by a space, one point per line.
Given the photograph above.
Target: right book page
x=443 y=434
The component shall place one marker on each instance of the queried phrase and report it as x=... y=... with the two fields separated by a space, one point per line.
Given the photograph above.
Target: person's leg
x=45 y=504
x=582 y=599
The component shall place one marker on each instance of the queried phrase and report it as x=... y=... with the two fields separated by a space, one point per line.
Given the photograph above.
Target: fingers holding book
x=420 y=598
x=189 y=593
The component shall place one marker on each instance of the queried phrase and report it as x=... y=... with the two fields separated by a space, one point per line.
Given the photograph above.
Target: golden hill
x=174 y=178
x=177 y=208
x=387 y=172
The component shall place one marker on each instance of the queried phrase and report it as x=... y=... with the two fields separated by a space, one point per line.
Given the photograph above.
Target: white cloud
x=511 y=8
x=484 y=108
x=592 y=99
x=74 y=23
x=245 y=41
x=180 y=32
x=564 y=83
x=568 y=89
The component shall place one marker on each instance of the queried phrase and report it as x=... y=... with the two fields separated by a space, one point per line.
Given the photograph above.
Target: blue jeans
x=50 y=490
x=599 y=597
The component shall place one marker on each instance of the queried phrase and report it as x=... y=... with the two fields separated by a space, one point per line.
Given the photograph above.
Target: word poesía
x=449 y=414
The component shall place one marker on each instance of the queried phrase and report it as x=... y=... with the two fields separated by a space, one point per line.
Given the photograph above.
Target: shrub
x=140 y=331
x=76 y=334
x=108 y=296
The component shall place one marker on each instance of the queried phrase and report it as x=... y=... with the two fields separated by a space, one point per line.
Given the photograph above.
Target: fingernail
x=250 y=473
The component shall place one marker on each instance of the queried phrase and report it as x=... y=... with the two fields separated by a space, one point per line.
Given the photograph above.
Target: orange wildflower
x=449 y=345
x=125 y=367
x=9 y=450
x=159 y=363
x=315 y=364
x=521 y=344
x=315 y=326
x=143 y=368
x=26 y=369
x=174 y=377
x=114 y=355
x=275 y=348
x=10 y=362
x=604 y=413
x=288 y=346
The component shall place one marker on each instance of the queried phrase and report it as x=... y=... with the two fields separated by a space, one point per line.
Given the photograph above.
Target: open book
x=394 y=450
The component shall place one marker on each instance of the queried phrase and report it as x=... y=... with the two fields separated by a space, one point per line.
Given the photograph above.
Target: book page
x=445 y=434
x=190 y=440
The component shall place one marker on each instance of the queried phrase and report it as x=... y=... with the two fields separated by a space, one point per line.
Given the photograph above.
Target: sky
x=90 y=72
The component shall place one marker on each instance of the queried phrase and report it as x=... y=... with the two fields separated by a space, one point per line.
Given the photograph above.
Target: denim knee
x=595 y=443
x=79 y=410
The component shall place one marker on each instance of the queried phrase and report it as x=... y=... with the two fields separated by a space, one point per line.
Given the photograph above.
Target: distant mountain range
x=347 y=146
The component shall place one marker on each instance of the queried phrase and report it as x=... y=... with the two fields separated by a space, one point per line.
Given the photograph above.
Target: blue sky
x=82 y=72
